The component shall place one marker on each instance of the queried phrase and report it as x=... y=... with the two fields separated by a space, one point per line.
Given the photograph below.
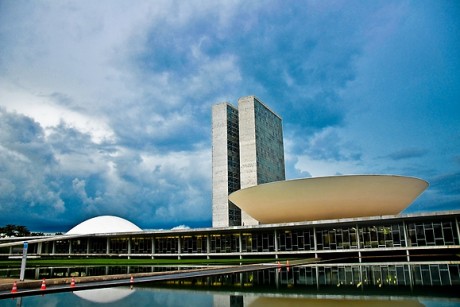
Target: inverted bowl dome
x=333 y=197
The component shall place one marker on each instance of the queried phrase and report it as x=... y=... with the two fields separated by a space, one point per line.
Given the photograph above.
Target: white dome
x=103 y=224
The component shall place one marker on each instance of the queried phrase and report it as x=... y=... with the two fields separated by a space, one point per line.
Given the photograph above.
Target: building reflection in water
x=120 y=295
x=354 y=276
x=317 y=275
x=329 y=302
x=313 y=285
x=170 y=297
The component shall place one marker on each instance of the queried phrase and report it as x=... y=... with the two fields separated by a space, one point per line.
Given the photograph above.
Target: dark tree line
x=14 y=231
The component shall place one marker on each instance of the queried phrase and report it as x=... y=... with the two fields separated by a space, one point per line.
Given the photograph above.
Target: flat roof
x=5 y=242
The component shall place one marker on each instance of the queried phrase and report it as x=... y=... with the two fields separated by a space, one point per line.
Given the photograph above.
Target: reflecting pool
x=319 y=275
x=152 y=296
x=312 y=285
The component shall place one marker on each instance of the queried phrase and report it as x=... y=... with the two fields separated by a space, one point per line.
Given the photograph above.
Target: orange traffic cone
x=72 y=283
x=132 y=278
x=43 y=287
x=15 y=288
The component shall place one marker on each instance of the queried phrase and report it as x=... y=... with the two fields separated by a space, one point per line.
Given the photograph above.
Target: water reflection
x=357 y=275
x=316 y=285
x=149 y=296
x=331 y=302
x=106 y=295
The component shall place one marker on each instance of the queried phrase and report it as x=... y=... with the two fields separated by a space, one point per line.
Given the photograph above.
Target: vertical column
x=107 y=251
x=208 y=246
x=129 y=247
x=317 y=276
x=240 y=245
x=276 y=243
x=179 y=247
x=407 y=240
x=53 y=249
x=153 y=247
x=39 y=248
x=87 y=246
x=358 y=242
x=277 y=278
x=315 y=244
x=458 y=230
x=70 y=247
x=411 y=279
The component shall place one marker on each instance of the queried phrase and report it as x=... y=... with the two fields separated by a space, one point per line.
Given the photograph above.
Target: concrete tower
x=247 y=150
x=261 y=146
x=225 y=165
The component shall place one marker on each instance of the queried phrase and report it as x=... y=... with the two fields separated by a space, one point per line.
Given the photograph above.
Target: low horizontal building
x=411 y=237
x=413 y=249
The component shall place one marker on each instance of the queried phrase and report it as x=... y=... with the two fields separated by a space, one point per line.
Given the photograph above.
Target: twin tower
x=247 y=150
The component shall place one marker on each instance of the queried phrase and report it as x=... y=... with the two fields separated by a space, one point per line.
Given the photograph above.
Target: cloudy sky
x=105 y=105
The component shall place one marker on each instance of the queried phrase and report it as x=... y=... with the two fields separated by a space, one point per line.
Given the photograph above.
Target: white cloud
x=180 y=227
x=320 y=168
x=48 y=114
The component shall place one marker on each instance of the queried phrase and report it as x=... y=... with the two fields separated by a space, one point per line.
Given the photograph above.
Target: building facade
x=401 y=250
x=225 y=165
x=247 y=150
x=261 y=147
x=412 y=238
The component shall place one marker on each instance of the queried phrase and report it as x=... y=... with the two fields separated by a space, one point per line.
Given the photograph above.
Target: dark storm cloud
x=67 y=174
x=407 y=153
x=328 y=146
x=448 y=184
x=27 y=179
x=443 y=194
